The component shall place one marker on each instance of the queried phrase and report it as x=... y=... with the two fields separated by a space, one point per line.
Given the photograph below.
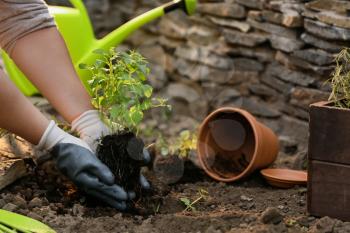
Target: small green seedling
x=340 y=80
x=119 y=89
x=203 y=194
x=181 y=146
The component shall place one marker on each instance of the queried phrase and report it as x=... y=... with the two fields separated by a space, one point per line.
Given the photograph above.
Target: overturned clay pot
x=232 y=144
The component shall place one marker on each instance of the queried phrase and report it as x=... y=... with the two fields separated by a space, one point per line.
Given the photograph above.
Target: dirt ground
x=247 y=206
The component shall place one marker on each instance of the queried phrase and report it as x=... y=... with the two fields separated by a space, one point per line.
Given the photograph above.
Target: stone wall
x=270 y=57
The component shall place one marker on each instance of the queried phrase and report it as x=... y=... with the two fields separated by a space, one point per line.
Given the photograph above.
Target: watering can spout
x=117 y=36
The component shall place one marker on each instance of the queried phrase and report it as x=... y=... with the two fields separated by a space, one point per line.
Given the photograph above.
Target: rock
x=241 y=76
x=326 y=31
x=34 y=215
x=258 y=108
x=252 y=3
x=78 y=210
x=303 y=97
x=333 y=47
x=290 y=76
x=227 y=96
x=35 y=202
x=2 y=203
x=262 y=54
x=246 y=39
x=174 y=26
x=289 y=18
x=300 y=161
x=262 y=90
x=329 y=17
x=203 y=55
x=326 y=5
x=272 y=81
x=273 y=29
x=285 y=6
x=294 y=128
x=315 y=56
x=247 y=64
x=291 y=110
x=142 y=38
x=212 y=229
x=271 y=216
x=199 y=72
x=158 y=78
x=202 y=35
x=223 y=10
x=242 y=26
x=284 y=43
x=245 y=198
x=10 y=207
x=297 y=64
x=19 y=201
x=186 y=100
x=325 y=224
x=288 y=144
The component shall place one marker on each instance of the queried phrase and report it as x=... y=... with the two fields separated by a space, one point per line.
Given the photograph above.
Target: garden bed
x=248 y=206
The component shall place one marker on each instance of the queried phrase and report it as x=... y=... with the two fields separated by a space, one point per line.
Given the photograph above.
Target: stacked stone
x=270 y=57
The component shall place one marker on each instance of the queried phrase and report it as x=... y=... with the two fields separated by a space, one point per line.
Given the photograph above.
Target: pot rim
x=326 y=104
x=253 y=123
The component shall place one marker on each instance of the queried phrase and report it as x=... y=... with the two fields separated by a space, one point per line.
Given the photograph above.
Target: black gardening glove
x=89 y=174
x=144 y=159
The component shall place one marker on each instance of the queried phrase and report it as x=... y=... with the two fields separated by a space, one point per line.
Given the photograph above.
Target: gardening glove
x=75 y=159
x=90 y=128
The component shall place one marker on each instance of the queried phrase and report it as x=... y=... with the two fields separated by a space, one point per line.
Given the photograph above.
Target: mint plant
x=119 y=89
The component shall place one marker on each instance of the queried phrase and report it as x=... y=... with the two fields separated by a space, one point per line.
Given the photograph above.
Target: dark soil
x=122 y=153
x=247 y=206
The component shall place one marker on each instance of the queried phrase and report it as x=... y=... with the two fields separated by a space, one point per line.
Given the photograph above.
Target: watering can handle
x=78 y=4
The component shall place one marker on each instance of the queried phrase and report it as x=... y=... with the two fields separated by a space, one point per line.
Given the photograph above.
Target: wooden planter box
x=329 y=161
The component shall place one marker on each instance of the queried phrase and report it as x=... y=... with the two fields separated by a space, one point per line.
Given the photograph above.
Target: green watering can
x=76 y=29
x=16 y=223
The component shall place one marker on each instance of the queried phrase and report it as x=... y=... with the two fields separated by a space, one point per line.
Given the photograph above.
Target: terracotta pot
x=232 y=144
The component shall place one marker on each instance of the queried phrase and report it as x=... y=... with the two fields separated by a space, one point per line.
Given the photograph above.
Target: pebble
x=19 y=201
x=78 y=210
x=245 y=198
x=10 y=207
x=35 y=216
x=35 y=202
x=2 y=203
x=271 y=215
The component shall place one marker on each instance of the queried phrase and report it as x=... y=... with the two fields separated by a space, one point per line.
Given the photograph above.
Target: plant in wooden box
x=329 y=147
x=120 y=93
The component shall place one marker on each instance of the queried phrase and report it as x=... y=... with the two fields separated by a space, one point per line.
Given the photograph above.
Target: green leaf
x=185 y=200
x=164 y=151
x=147 y=90
x=185 y=135
x=135 y=115
x=99 y=63
x=83 y=66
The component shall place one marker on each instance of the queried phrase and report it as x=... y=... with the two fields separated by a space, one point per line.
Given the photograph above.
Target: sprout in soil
x=169 y=165
x=121 y=95
x=340 y=80
x=180 y=146
x=203 y=195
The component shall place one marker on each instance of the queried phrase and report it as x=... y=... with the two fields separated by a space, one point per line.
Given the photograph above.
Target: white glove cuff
x=54 y=135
